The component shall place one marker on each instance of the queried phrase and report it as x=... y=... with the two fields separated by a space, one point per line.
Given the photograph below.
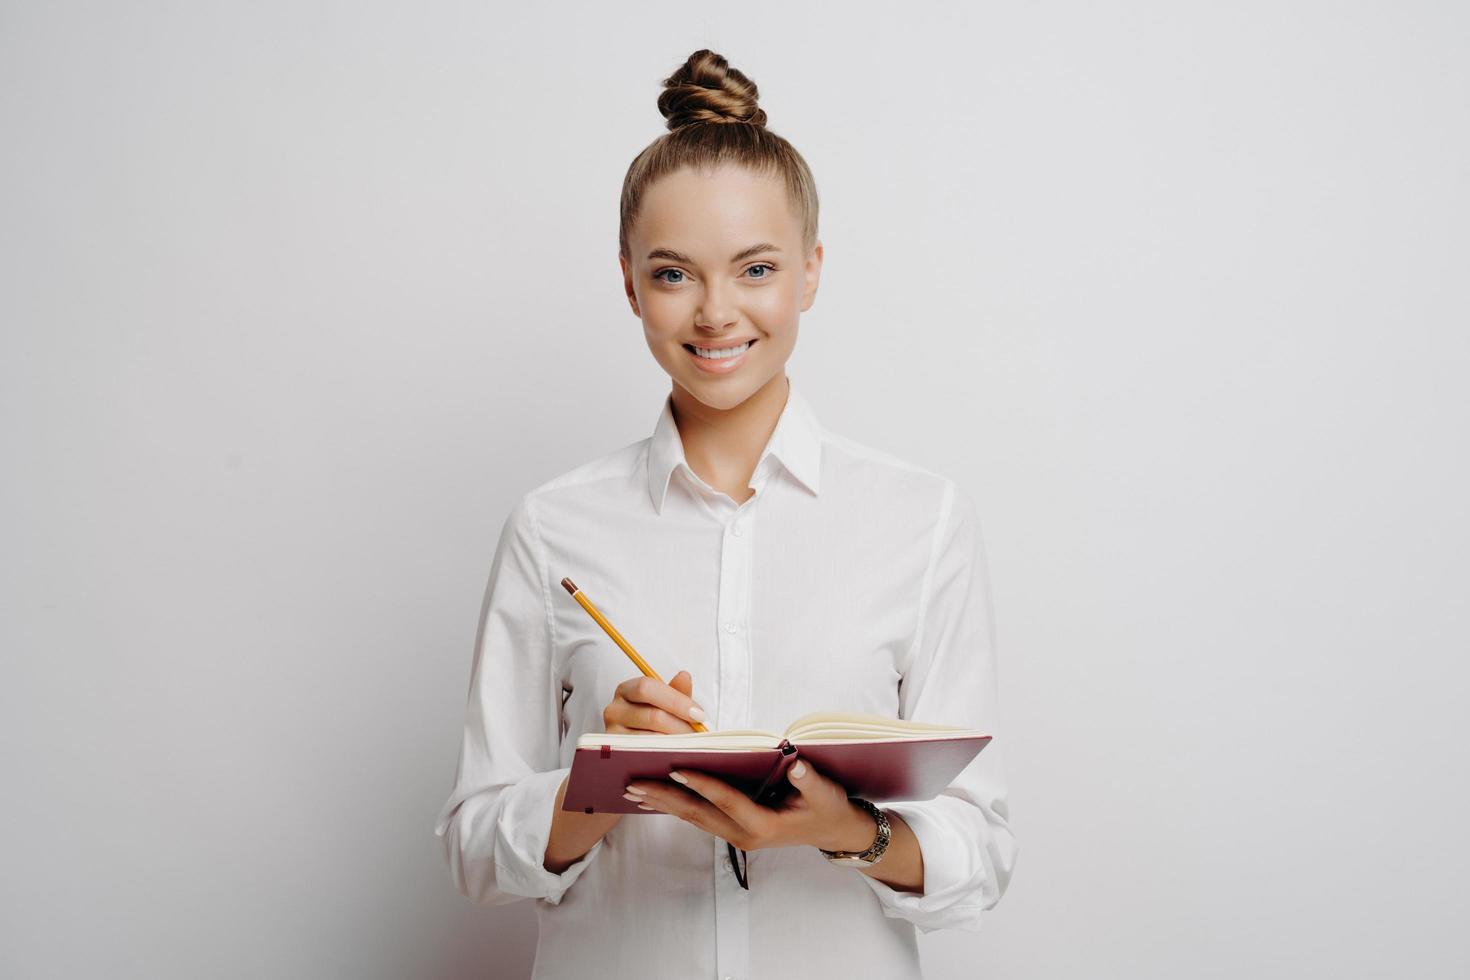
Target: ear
x=812 y=271
x=628 y=285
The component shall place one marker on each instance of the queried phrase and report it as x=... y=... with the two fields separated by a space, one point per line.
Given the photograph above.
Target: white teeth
x=720 y=355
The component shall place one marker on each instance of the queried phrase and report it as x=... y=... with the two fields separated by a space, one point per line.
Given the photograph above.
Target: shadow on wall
x=490 y=943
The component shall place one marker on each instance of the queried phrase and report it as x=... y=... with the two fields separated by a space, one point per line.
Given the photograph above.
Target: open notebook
x=880 y=759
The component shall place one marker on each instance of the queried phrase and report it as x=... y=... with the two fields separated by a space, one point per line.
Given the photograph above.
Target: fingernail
x=678 y=778
x=644 y=806
x=635 y=799
x=697 y=713
x=799 y=770
x=635 y=789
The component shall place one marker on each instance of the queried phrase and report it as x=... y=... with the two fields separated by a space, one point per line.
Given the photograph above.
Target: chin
x=714 y=394
x=721 y=393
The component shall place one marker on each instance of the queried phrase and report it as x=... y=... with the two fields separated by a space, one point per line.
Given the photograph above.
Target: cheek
x=776 y=310
x=789 y=296
x=663 y=303
x=663 y=320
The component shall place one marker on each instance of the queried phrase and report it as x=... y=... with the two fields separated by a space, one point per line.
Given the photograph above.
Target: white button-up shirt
x=850 y=581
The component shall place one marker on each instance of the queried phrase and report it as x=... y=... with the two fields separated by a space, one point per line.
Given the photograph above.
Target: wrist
x=855 y=833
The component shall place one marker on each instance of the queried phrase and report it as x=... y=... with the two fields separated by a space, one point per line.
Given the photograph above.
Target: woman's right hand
x=642 y=706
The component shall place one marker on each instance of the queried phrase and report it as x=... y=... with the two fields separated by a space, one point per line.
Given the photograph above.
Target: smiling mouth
x=748 y=345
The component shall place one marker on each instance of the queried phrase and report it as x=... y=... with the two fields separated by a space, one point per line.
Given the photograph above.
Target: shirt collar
x=796 y=443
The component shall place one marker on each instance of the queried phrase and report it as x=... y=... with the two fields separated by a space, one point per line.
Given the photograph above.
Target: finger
x=812 y=785
x=741 y=809
x=657 y=693
x=683 y=682
x=638 y=717
x=663 y=797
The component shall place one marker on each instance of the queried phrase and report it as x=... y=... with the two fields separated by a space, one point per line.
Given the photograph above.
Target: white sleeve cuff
x=527 y=819
x=953 y=895
x=504 y=856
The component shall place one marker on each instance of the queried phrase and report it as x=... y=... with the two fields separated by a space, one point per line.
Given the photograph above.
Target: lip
x=725 y=366
x=724 y=346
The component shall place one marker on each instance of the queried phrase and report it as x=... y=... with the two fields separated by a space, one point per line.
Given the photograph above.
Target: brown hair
x=713 y=119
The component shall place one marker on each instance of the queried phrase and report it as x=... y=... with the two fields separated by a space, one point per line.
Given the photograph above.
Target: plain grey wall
x=297 y=298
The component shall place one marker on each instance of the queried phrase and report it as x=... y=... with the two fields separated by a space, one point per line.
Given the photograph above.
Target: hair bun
x=706 y=89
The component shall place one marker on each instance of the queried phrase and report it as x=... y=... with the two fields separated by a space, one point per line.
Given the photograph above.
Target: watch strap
x=880 y=841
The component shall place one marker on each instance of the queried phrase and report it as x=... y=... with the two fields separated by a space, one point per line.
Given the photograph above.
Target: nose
x=717 y=309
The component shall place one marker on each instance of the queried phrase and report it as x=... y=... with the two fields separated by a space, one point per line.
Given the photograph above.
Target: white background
x=297 y=298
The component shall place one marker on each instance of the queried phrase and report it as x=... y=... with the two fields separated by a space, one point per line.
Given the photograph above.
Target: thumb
x=683 y=682
x=806 y=779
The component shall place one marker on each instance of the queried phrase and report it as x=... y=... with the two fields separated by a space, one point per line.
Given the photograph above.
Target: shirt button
x=725 y=863
x=729 y=627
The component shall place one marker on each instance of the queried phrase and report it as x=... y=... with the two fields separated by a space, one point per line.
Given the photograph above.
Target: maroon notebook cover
x=879 y=771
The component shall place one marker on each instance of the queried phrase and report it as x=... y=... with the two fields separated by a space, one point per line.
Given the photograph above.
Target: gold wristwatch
x=874 y=853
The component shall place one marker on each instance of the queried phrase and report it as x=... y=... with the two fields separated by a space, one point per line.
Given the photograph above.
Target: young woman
x=782 y=568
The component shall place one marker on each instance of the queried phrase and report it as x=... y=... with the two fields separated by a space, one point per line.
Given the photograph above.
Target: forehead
x=693 y=211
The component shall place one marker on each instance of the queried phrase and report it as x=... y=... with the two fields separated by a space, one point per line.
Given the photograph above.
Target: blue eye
x=659 y=275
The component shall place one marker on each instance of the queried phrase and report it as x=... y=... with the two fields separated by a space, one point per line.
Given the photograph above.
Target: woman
x=786 y=570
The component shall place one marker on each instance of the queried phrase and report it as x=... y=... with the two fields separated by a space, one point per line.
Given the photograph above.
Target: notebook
x=879 y=759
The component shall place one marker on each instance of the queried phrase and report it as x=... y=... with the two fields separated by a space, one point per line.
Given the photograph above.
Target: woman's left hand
x=819 y=814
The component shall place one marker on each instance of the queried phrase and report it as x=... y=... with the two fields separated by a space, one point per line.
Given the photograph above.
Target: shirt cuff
x=514 y=861
x=527 y=819
x=952 y=897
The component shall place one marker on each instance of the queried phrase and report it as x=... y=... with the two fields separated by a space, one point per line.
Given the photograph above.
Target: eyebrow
x=673 y=256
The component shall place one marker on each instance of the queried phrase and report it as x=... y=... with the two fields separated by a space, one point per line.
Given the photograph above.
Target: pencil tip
x=567 y=584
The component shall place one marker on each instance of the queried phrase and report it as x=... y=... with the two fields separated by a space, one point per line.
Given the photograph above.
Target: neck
x=724 y=445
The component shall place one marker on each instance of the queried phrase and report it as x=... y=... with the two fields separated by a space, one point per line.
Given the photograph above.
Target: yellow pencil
x=617 y=638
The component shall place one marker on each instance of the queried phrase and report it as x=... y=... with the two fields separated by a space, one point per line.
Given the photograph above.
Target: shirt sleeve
x=964 y=833
x=496 y=822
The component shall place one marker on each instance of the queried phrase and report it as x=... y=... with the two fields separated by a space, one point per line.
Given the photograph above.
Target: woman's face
x=717 y=261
